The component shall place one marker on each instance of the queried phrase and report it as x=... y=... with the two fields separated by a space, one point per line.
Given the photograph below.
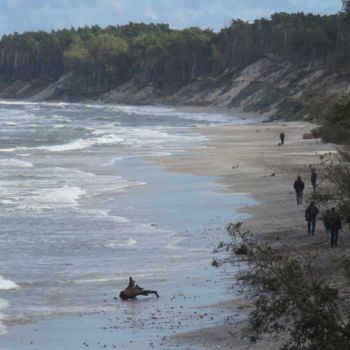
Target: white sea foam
x=10 y=124
x=61 y=119
x=119 y=219
x=14 y=149
x=23 y=155
x=15 y=163
x=5 y=202
x=105 y=279
x=72 y=146
x=97 y=132
x=83 y=143
x=127 y=242
x=20 y=103
x=75 y=172
x=7 y=284
x=106 y=214
x=172 y=112
x=141 y=110
x=65 y=194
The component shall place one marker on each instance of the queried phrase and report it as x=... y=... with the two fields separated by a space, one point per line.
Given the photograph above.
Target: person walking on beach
x=299 y=188
x=282 y=137
x=326 y=224
x=311 y=213
x=313 y=179
x=335 y=226
x=347 y=219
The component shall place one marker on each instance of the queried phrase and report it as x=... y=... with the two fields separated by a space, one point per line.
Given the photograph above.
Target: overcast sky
x=26 y=15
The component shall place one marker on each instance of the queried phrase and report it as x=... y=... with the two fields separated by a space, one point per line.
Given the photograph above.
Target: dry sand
x=248 y=159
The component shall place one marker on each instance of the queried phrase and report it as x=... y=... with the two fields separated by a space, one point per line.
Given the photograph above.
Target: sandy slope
x=248 y=159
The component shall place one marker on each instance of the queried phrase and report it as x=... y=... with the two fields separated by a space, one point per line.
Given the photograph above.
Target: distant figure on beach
x=282 y=137
x=133 y=290
x=313 y=179
x=347 y=219
x=311 y=213
x=326 y=224
x=299 y=188
x=335 y=226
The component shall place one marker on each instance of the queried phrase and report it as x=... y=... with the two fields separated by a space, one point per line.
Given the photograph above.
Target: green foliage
x=156 y=53
x=291 y=298
x=147 y=44
x=335 y=121
x=104 y=48
x=77 y=54
x=335 y=189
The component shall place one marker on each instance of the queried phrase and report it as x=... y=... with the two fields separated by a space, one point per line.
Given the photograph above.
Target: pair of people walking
x=332 y=224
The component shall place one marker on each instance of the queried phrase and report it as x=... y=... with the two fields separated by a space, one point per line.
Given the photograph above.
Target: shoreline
x=184 y=305
x=237 y=159
x=247 y=159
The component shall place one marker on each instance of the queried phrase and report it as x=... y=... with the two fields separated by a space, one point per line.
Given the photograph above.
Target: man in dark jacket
x=311 y=213
x=335 y=226
x=314 y=179
x=299 y=188
x=282 y=137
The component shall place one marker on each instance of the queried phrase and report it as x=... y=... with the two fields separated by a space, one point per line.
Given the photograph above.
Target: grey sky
x=26 y=15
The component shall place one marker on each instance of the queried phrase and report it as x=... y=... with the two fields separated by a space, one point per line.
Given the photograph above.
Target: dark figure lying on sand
x=132 y=291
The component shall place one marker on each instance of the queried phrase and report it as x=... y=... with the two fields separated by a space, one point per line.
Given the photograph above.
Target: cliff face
x=270 y=86
x=274 y=66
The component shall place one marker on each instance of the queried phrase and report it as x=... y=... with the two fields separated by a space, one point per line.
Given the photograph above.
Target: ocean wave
x=61 y=119
x=115 y=135
x=19 y=103
x=65 y=194
x=14 y=149
x=80 y=144
x=105 y=214
x=127 y=242
x=119 y=219
x=10 y=124
x=15 y=163
x=141 y=110
x=59 y=126
x=7 y=284
x=29 y=103
x=215 y=118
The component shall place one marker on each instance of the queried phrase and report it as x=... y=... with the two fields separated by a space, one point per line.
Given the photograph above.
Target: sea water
x=82 y=209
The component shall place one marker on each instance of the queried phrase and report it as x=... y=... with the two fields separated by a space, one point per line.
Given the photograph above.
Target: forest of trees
x=105 y=57
x=99 y=59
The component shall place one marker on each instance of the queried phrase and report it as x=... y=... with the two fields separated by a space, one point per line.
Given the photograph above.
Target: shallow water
x=82 y=209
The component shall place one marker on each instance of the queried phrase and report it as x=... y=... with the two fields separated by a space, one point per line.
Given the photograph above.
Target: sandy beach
x=248 y=159
x=166 y=225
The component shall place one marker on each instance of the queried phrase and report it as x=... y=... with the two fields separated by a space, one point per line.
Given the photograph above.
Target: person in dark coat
x=311 y=213
x=347 y=219
x=326 y=224
x=314 y=179
x=299 y=188
x=282 y=137
x=335 y=226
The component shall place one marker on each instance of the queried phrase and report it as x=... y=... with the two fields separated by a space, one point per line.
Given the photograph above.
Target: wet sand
x=244 y=159
x=187 y=207
x=248 y=159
